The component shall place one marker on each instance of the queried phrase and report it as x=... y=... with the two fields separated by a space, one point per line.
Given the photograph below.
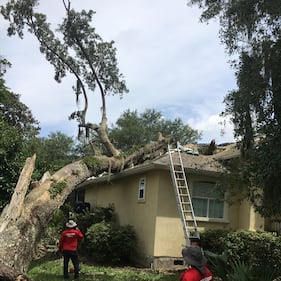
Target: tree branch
x=14 y=209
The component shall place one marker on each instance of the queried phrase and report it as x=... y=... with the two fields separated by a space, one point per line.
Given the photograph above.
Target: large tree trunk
x=24 y=220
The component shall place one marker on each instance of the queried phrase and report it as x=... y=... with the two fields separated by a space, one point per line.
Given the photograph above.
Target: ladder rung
x=182 y=192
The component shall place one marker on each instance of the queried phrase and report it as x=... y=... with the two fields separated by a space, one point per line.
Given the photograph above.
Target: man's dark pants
x=73 y=256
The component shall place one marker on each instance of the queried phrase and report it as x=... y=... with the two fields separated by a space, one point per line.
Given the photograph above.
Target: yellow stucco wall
x=124 y=195
x=156 y=219
x=248 y=218
x=169 y=230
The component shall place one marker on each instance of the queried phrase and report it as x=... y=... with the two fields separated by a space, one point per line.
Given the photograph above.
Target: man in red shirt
x=68 y=246
x=198 y=270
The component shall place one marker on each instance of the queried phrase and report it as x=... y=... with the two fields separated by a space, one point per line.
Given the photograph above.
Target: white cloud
x=213 y=127
x=170 y=61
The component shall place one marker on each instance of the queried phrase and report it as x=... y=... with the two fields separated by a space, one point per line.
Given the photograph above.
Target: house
x=143 y=196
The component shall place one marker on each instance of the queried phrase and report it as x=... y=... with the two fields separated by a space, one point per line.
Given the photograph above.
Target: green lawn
x=52 y=271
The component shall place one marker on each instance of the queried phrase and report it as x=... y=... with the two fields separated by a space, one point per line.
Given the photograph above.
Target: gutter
x=140 y=169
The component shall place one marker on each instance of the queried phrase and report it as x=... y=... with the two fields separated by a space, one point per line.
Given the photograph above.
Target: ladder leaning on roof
x=182 y=193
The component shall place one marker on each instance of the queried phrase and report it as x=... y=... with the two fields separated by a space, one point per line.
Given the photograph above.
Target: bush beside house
x=105 y=241
x=244 y=254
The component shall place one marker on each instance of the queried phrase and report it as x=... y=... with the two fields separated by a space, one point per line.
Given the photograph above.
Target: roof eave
x=141 y=169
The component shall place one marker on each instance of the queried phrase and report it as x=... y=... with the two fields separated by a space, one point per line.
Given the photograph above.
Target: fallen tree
x=25 y=218
x=79 y=51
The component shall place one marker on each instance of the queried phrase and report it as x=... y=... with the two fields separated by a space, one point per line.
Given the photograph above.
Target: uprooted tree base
x=25 y=218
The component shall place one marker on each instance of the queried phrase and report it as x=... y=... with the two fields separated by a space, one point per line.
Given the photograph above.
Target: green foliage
x=242 y=254
x=74 y=48
x=133 y=129
x=92 y=162
x=11 y=160
x=111 y=243
x=124 y=244
x=238 y=270
x=53 y=153
x=128 y=131
x=243 y=22
x=16 y=114
x=105 y=240
x=84 y=219
x=18 y=131
x=213 y=240
x=251 y=29
x=106 y=214
x=87 y=218
x=56 y=188
x=98 y=237
x=16 y=126
x=218 y=264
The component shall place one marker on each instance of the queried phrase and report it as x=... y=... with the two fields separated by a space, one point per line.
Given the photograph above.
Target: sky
x=171 y=62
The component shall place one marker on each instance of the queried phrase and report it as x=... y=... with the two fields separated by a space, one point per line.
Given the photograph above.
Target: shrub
x=123 y=242
x=213 y=240
x=84 y=220
x=105 y=240
x=111 y=243
x=247 y=250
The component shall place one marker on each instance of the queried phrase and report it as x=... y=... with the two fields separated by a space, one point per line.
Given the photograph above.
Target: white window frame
x=207 y=217
x=141 y=189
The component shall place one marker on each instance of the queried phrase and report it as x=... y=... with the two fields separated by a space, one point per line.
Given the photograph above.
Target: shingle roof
x=194 y=162
x=208 y=163
x=201 y=164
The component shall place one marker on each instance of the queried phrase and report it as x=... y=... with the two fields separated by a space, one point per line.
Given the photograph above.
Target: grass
x=51 y=270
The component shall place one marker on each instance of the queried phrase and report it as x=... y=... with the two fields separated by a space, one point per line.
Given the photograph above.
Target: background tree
x=133 y=129
x=52 y=153
x=17 y=126
x=19 y=139
x=11 y=160
x=252 y=29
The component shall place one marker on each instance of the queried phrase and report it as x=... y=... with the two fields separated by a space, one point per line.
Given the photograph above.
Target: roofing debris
x=193 y=160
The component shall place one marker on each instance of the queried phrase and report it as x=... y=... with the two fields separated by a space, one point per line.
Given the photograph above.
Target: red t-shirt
x=192 y=274
x=69 y=239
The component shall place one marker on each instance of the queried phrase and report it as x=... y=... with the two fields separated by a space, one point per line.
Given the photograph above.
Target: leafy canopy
x=17 y=126
x=252 y=30
x=133 y=129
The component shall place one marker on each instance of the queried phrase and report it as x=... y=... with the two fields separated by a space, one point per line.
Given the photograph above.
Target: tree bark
x=25 y=219
x=13 y=210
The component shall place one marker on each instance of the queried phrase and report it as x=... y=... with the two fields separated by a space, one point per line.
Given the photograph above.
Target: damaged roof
x=194 y=163
x=199 y=162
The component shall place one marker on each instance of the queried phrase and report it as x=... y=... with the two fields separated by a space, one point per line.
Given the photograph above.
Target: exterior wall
x=156 y=219
x=123 y=194
x=169 y=236
x=249 y=219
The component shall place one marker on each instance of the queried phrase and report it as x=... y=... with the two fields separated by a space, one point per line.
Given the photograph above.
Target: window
x=141 y=191
x=207 y=201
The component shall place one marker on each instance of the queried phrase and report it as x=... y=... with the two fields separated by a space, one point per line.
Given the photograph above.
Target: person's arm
x=79 y=234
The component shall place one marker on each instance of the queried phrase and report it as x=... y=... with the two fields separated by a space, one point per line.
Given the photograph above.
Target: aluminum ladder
x=182 y=193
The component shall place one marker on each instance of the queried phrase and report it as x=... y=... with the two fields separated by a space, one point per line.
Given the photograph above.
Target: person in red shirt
x=68 y=247
x=198 y=270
